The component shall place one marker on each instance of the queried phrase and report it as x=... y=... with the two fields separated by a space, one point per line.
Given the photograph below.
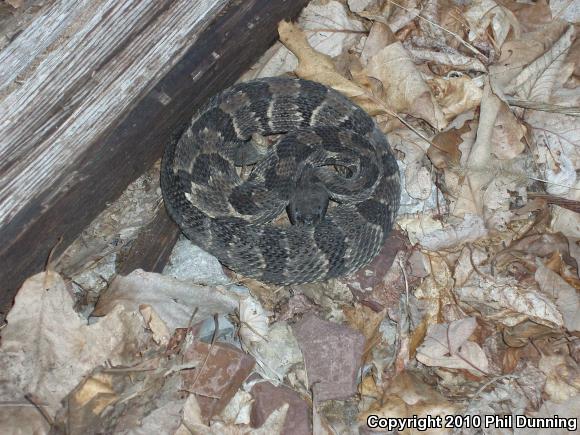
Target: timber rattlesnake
x=320 y=130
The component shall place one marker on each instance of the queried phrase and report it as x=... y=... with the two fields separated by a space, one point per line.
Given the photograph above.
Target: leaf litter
x=470 y=309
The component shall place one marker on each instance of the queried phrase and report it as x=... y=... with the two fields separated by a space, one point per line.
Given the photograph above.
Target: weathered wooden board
x=151 y=250
x=88 y=105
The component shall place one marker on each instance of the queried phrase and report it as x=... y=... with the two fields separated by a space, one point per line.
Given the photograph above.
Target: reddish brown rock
x=217 y=378
x=332 y=355
x=268 y=398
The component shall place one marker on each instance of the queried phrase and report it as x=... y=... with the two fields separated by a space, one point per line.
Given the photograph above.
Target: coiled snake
x=329 y=152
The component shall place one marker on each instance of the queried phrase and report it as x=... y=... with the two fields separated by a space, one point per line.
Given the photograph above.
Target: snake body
x=319 y=131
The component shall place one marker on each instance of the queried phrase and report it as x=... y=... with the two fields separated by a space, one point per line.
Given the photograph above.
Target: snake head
x=308 y=202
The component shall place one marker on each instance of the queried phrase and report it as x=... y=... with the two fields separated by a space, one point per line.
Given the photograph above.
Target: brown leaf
x=456 y=95
x=403 y=85
x=367 y=322
x=59 y=348
x=407 y=396
x=531 y=16
x=518 y=53
x=379 y=37
x=446 y=152
x=319 y=67
x=507 y=135
x=448 y=346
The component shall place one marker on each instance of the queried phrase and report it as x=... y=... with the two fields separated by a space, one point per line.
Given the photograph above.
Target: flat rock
x=332 y=355
x=218 y=377
x=268 y=398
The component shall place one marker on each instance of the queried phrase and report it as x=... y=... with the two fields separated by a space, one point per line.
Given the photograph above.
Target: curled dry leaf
x=380 y=36
x=503 y=300
x=479 y=156
x=536 y=81
x=566 y=296
x=59 y=347
x=173 y=300
x=276 y=356
x=469 y=259
x=407 y=396
x=516 y=54
x=416 y=178
x=456 y=95
x=358 y=6
x=469 y=229
x=404 y=88
x=445 y=151
x=313 y=65
x=562 y=377
x=367 y=322
x=239 y=409
x=448 y=346
x=558 y=149
x=328 y=27
x=451 y=59
x=161 y=333
x=487 y=182
x=253 y=321
x=485 y=14
x=508 y=134
x=531 y=16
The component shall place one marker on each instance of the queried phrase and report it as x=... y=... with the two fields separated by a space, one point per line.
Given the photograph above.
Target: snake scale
x=331 y=169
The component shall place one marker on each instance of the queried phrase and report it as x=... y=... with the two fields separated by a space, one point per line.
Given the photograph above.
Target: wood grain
x=90 y=111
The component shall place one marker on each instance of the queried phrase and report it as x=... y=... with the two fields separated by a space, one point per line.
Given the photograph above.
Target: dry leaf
x=536 y=81
x=407 y=396
x=59 y=347
x=174 y=301
x=518 y=53
x=367 y=322
x=416 y=178
x=379 y=37
x=404 y=88
x=566 y=297
x=161 y=333
x=239 y=409
x=448 y=346
x=469 y=259
x=569 y=409
x=469 y=229
x=531 y=16
x=319 y=67
x=502 y=300
x=558 y=148
x=456 y=95
x=328 y=27
x=451 y=58
x=508 y=134
x=193 y=423
x=15 y=3
x=253 y=321
x=485 y=188
x=485 y=14
x=562 y=377
x=566 y=10
x=446 y=152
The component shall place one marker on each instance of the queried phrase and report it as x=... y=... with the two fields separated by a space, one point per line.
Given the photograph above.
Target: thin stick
x=456 y=36
x=544 y=107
